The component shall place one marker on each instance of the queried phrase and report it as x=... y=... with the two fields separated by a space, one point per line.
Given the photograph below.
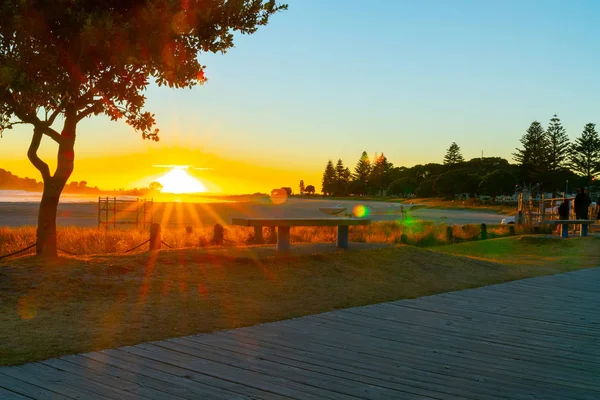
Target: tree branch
x=48 y=131
x=33 y=157
x=95 y=107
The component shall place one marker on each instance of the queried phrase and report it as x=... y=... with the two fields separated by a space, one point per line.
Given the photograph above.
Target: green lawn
x=83 y=304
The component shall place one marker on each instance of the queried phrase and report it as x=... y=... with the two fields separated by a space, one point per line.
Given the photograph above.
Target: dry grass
x=78 y=304
x=87 y=241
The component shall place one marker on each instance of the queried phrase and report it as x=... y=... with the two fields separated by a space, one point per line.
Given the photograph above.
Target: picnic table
x=284 y=224
x=585 y=223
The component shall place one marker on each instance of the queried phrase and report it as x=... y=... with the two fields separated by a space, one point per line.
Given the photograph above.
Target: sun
x=178 y=181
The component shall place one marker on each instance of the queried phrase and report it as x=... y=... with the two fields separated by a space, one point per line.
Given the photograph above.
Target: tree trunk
x=46 y=245
x=46 y=231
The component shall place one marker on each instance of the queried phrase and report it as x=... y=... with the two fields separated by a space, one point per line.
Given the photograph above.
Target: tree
x=558 y=145
x=302 y=187
x=453 y=155
x=455 y=181
x=379 y=178
x=585 y=153
x=497 y=183
x=288 y=190
x=402 y=187
x=328 y=184
x=63 y=61
x=362 y=170
x=155 y=186
x=310 y=189
x=342 y=178
x=533 y=157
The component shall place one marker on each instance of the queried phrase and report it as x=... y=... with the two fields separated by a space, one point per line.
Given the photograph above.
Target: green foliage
x=310 y=189
x=155 y=186
x=498 y=182
x=362 y=170
x=558 y=145
x=425 y=189
x=342 y=179
x=380 y=176
x=456 y=181
x=533 y=157
x=585 y=153
x=329 y=179
x=301 y=187
x=453 y=155
x=402 y=187
x=81 y=58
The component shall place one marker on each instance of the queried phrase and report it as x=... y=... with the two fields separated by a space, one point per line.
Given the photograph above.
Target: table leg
x=584 y=229
x=565 y=230
x=283 y=238
x=258 y=235
x=342 y=237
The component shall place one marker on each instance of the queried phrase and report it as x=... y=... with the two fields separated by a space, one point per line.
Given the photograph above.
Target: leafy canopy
x=77 y=58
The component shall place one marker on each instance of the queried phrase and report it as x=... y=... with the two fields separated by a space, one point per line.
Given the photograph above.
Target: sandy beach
x=178 y=215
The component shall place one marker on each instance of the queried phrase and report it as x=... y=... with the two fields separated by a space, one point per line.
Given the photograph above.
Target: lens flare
x=279 y=196
x=360 y=211
x=27 y=307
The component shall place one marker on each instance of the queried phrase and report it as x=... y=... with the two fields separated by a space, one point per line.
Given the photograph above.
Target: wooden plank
x=167 y=384
x=299 y=221
x=423 y=362
x=40 y=377
x=429 y=358
x=316 y=357
x=293 y=373
x=29 y=390
x=232 y=374
x=6 y=394
x=134 y=386
x=189 y=383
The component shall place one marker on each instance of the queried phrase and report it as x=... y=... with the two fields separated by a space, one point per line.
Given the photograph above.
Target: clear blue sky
x=331 y=78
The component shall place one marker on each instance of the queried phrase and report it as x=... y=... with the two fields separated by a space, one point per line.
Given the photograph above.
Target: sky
x=328 y=79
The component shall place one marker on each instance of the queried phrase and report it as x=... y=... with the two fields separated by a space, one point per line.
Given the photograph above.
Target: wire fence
x=72 y=253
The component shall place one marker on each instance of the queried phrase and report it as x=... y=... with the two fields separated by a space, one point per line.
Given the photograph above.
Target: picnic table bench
x=585 y=223
x=284 y=224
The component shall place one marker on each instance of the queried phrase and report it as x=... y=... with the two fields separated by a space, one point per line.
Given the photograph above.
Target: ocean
x=22 y=196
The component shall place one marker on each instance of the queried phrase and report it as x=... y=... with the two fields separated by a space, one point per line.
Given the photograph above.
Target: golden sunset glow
x=179 y=181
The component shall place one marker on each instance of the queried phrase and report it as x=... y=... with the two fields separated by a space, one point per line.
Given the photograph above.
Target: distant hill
x=13 y=182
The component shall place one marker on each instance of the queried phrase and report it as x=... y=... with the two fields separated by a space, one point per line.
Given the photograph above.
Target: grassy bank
x=81 y=304
x=86 y=241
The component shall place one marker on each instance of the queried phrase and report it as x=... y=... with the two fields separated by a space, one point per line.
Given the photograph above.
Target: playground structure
x=535 y=210
x=113 y=212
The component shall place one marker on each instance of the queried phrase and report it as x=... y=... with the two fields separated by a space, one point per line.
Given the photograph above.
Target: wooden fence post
x=155 y=241
x=448 y=234
x=218 y=235
x=483 y=231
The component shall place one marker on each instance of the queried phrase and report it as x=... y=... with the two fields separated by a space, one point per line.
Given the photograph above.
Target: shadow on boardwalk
x=528 y=339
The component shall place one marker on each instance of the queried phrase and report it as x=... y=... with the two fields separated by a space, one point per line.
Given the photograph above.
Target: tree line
x=546 y=160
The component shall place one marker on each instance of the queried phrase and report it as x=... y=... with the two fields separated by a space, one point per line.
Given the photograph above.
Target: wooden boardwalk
x=531 y=339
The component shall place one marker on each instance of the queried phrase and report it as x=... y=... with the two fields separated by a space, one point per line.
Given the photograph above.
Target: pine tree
x=533 y=157
x=585 y=153
x=342 y=178
x=380 y=178
x=558 y=145
x=328 y=184
x=362 y=170
x=301 y=187
x=453 y=155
